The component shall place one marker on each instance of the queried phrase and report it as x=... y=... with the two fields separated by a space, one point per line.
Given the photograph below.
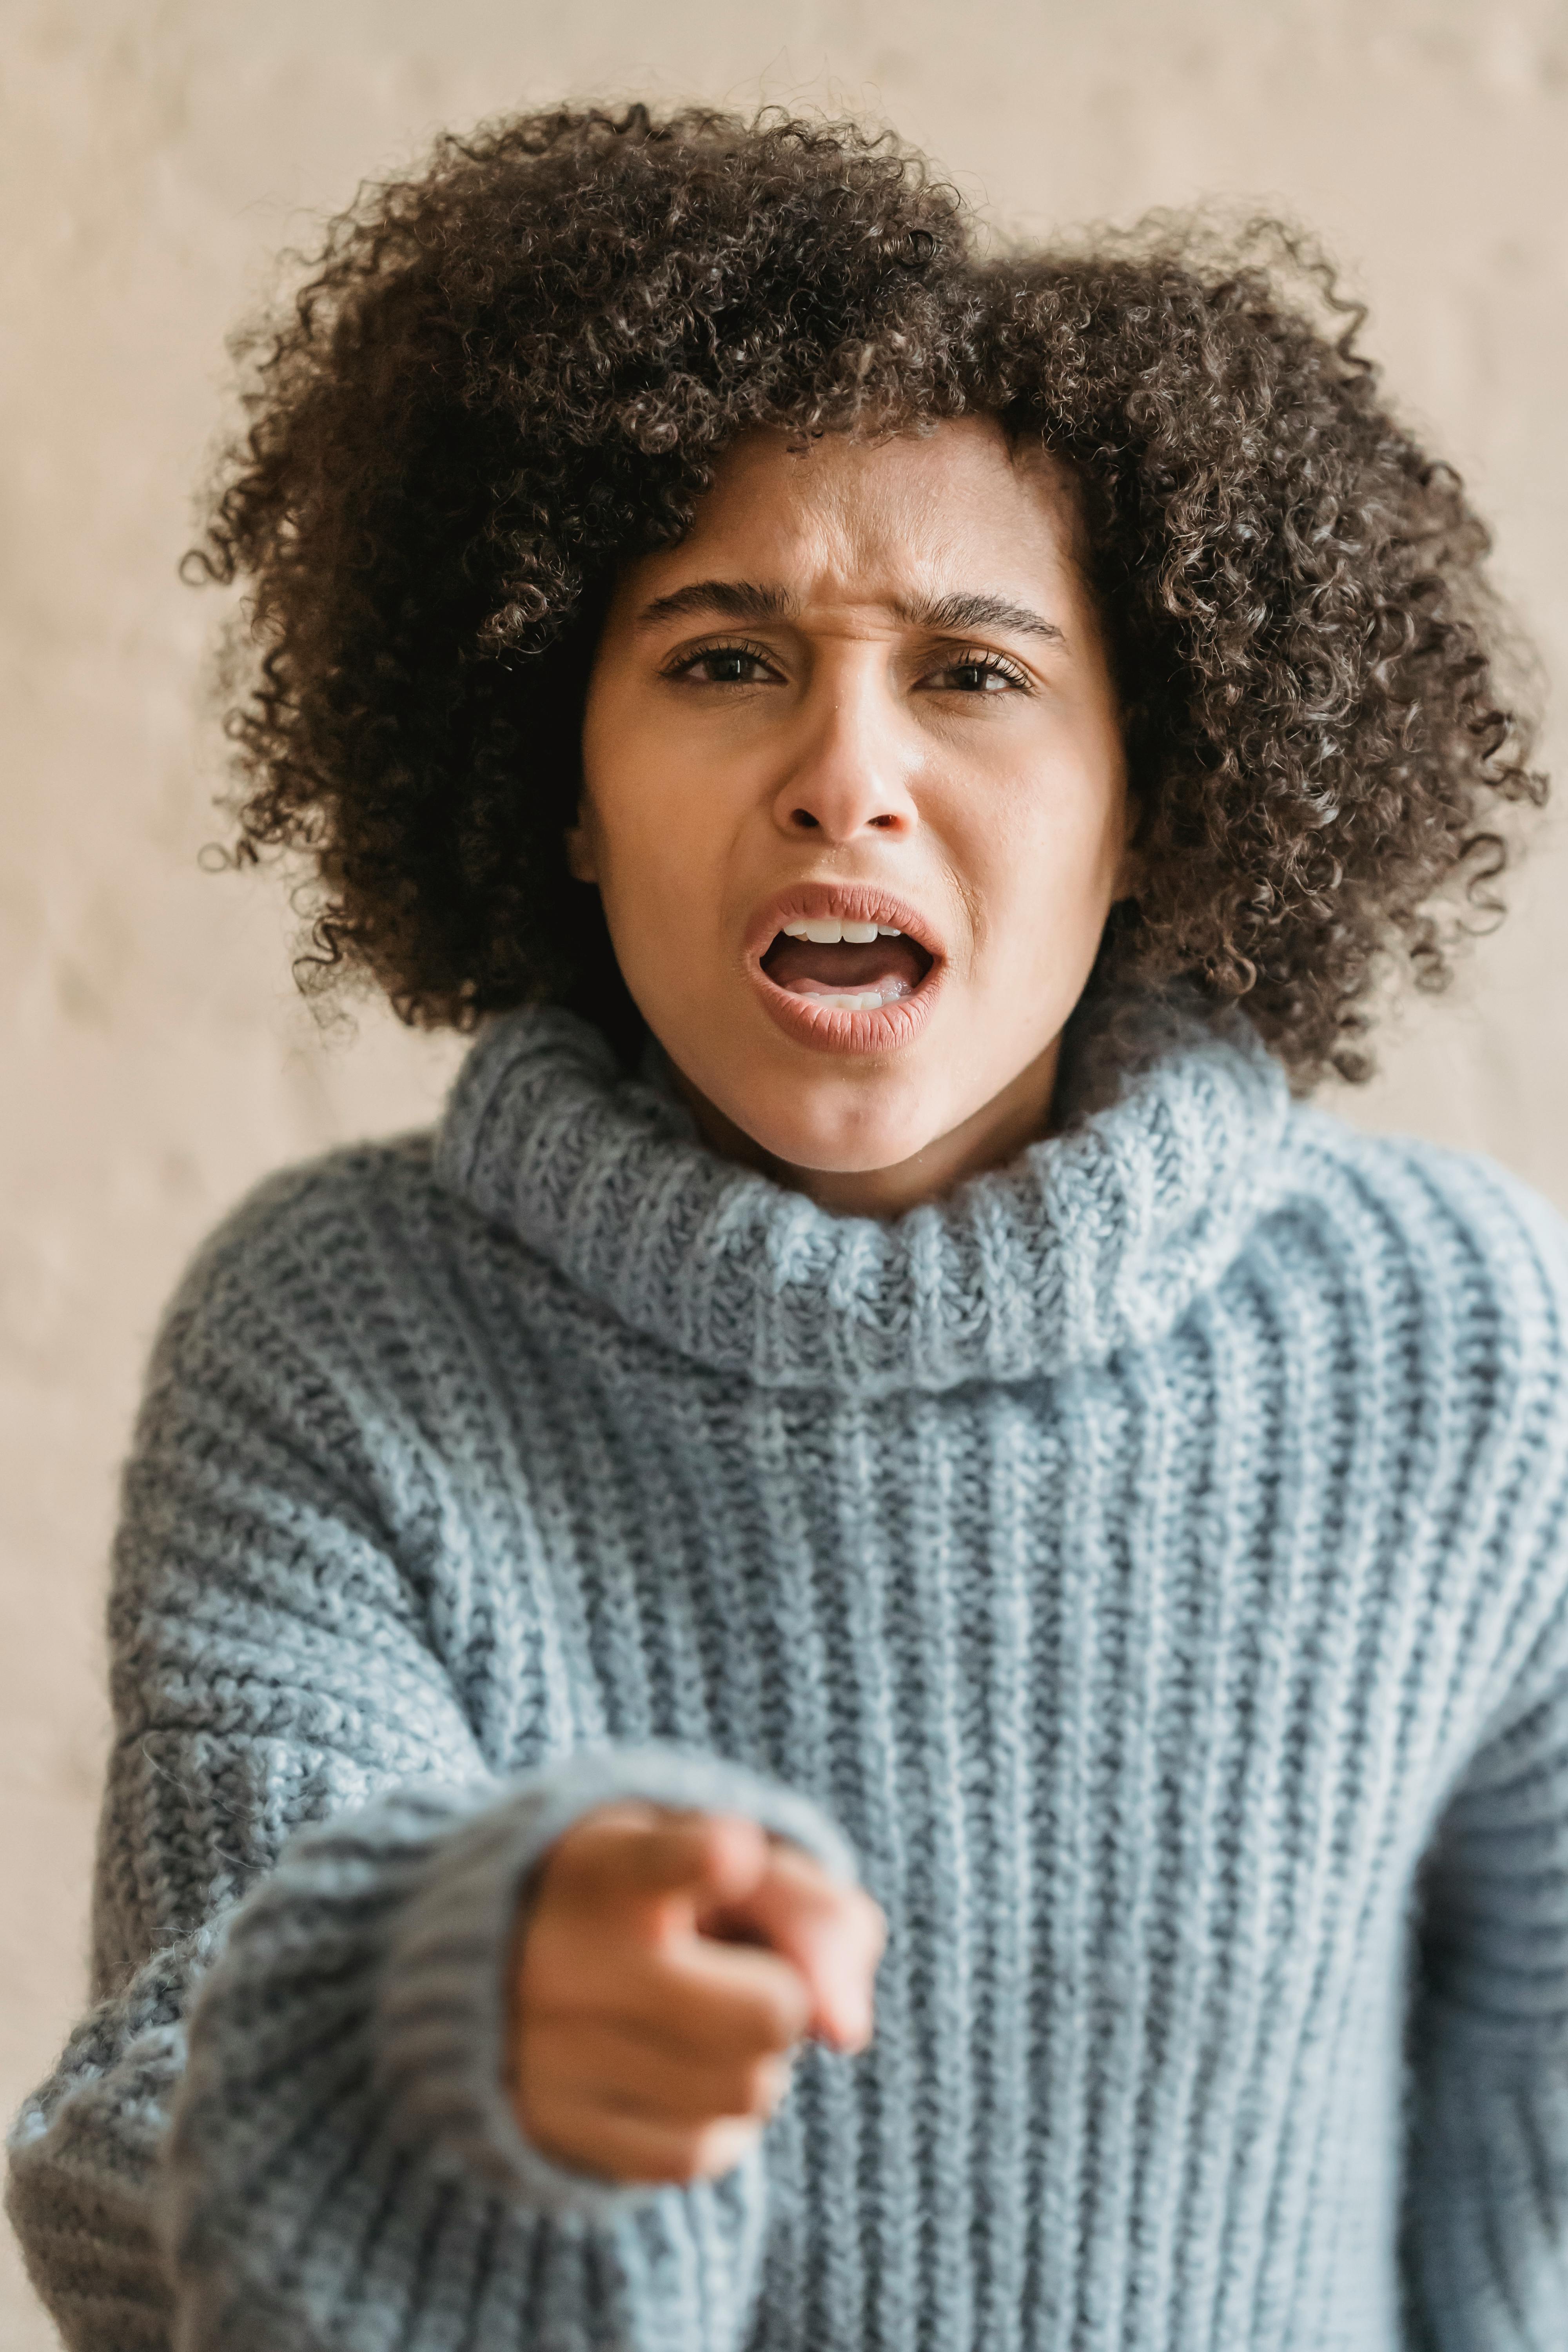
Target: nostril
x=804 y=818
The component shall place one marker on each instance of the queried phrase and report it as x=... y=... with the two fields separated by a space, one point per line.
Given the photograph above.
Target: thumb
x=833 y=1935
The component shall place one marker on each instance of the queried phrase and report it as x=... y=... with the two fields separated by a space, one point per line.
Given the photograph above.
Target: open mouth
x=846 y=966
x=839 y=973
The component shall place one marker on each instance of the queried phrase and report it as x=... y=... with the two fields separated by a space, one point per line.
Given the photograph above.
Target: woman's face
x=866 y=689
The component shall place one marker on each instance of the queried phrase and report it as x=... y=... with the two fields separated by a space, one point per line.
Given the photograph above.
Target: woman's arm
x=1487 y=2207
x=284 y=2122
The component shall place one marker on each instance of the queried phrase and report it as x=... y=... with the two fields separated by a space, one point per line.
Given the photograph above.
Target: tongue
x=878 y=963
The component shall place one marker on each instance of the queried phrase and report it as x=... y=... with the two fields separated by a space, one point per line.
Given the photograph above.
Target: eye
x=723 y=665
x=977 y=673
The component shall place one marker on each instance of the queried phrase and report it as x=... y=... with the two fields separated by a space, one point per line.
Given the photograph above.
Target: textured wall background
x=154 y=158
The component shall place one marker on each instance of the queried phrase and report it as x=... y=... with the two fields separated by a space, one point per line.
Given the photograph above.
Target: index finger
x=832 y=1933
x=714 y=2000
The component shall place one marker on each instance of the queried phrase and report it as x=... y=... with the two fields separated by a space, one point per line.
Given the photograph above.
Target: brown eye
x=724 y=666
x=978 y=674
x=727 y=669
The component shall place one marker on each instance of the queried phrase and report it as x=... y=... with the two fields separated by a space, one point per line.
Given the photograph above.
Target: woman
x=881 y=1656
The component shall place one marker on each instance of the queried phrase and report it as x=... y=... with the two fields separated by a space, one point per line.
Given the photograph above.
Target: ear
x=579 y=854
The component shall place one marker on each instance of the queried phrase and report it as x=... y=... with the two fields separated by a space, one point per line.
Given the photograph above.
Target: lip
x=810 y=1020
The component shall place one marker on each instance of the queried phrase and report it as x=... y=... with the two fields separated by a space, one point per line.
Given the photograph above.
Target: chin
x=803 y=1135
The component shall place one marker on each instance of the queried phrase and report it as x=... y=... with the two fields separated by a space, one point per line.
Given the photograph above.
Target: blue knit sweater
x=1148 y=1567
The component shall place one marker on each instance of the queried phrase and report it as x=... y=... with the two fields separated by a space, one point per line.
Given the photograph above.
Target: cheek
x=656 y=859
x=1043 y=871
x=623 y=794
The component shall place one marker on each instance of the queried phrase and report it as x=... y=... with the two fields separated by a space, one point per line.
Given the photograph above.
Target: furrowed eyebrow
x=733 y=599
x=956 y=616
x=950 y=616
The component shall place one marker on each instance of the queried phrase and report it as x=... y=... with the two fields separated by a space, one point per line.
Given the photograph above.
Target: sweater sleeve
x=1485 y=2237
x=283 y=2123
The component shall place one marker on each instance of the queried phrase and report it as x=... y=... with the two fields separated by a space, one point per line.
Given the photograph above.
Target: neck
x=995 y=1133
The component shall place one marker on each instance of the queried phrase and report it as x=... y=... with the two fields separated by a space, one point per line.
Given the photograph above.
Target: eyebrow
x=956 y=616
x=947 y=617
x=736 y=600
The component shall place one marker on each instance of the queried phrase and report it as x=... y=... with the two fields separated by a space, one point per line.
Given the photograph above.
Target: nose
x=850 y=772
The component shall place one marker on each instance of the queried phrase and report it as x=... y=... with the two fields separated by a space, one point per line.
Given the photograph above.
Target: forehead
x=956 y=508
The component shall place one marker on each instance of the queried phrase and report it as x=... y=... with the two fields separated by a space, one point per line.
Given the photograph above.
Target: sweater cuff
x=440 y=2005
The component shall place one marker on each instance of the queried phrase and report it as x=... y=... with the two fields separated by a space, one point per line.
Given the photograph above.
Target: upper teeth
x=830 y=930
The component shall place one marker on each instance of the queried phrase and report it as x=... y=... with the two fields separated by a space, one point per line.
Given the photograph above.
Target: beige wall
x=155 y=157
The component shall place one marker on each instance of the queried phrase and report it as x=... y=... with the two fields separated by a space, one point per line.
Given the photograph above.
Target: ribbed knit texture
x=1148 y=1567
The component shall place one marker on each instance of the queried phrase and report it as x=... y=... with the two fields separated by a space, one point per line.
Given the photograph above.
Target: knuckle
x=678 y=2167
x=769 y=2027
x=790 y=2012
x=777 y=2010
x=758 y=2022
x=684 y=2163
x=762 y=2087
x=714 y=2147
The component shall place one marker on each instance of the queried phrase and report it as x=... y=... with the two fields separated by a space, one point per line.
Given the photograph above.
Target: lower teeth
x=869 y=1001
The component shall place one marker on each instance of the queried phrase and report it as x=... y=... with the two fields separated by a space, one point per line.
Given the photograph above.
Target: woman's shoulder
x=1458 y=1222
x=318 y=1250
x=298 y=1208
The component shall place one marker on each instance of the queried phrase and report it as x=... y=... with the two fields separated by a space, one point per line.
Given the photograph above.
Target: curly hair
x=510 y=373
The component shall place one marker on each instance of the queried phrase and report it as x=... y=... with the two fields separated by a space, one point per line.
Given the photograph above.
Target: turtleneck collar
x=1092 y=1239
